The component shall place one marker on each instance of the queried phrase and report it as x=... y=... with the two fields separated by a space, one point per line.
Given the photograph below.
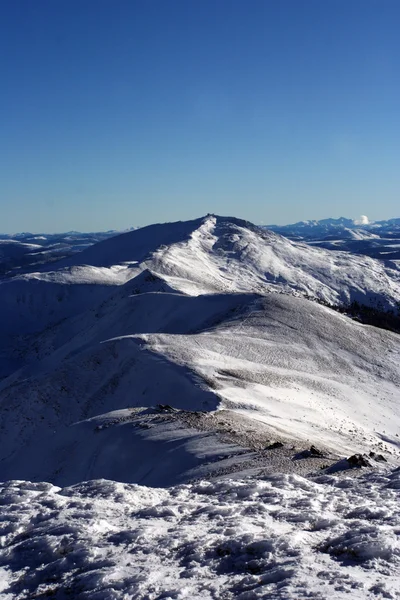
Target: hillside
x=211 y=314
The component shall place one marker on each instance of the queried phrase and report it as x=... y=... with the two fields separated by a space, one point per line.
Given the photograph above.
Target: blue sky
x=118 y=113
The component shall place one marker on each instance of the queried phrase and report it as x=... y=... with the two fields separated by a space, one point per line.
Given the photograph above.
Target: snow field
x=307 y=371
x=310 y=374
x=279 y=537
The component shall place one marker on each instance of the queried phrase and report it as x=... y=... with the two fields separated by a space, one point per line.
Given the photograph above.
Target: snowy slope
x=282 y=537
x=184 y=314
x=177 y=357
x=134 y=246
x=310 y=374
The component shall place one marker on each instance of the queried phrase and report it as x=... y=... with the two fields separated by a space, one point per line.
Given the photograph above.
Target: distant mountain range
x=21 y=252
x=329 y=225
x=378 y=239
x=335 y=226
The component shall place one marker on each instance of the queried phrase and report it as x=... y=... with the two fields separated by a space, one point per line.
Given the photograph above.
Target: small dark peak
x=316 y=452
x=274 y=446
x=377 y=457
x=165 y=408
x=358 y=460
x=313 y=452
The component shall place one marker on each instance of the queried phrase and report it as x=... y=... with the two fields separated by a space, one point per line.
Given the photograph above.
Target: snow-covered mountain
x=336 y=226
x=201 y=315
x=377 y=239
x=208 y=255
x=199 y=357
x=22 y=252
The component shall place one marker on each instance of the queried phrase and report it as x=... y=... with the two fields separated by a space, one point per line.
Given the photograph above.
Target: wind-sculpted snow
x=282 y=537
x=307 y=372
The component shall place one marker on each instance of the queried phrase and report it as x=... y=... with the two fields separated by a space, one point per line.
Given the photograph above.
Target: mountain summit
x=223 y=254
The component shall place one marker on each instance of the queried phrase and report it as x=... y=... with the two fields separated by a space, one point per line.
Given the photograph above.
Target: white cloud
x=363 y=220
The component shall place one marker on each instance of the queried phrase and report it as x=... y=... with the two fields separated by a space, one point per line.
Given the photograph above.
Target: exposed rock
x=165 y=407
x=358 y=460
x=315 y=452
x=274 y=446
x=377 y=457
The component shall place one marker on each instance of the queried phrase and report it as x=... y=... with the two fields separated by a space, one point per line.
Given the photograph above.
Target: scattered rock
x=316 y=452
x=340 y=465
x=274 y=446
x=313 y=452
x=377 y=457
x=358 y=460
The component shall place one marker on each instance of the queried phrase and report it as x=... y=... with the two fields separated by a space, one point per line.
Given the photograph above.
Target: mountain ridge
x=201 y=316
x=316 y=228
x=207 y=255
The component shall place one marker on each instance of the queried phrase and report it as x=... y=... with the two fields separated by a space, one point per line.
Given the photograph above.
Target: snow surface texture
x=279 y=537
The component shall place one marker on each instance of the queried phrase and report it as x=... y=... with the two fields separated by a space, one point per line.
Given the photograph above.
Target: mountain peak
x=214 y=254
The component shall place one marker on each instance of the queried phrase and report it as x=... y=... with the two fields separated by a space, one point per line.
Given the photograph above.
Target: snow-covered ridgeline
x=147 y=324
x=183 y=314
x=209 y=255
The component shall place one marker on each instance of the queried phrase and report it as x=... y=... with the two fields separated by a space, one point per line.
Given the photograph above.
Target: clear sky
x=119 y=113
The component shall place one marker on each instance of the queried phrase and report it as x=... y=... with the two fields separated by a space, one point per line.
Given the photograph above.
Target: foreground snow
x=280 y=537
